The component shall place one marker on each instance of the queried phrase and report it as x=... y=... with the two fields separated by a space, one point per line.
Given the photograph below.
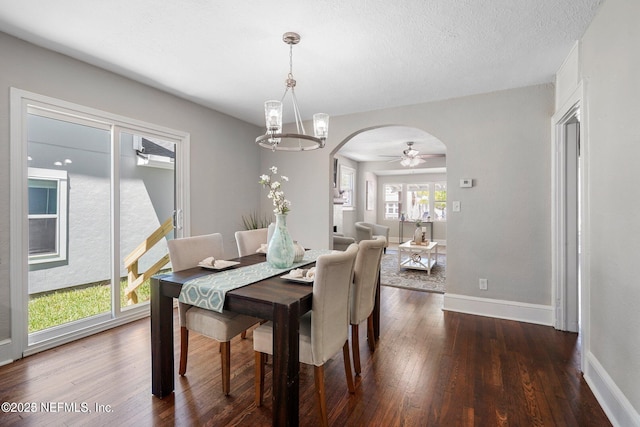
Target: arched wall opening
x=375 y=154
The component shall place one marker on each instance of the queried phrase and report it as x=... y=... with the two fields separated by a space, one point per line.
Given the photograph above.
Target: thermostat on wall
x=466 y=182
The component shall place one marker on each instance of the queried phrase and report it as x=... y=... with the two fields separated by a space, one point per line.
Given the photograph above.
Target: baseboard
x=500 y=309
x=5 y=352
x=611 y=399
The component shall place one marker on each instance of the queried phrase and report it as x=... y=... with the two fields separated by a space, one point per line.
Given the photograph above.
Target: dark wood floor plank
x=430 y=368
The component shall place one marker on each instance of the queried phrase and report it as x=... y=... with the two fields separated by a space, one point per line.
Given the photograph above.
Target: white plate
x=220 y=264
x=298 y=279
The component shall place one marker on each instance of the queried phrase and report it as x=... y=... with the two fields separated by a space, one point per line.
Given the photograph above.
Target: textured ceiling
x=354 y=56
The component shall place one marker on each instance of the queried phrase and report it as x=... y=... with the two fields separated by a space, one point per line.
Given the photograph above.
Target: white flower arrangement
x=282 y=205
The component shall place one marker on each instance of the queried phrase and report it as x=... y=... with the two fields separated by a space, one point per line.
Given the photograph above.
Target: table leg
x=286 y=372
x=162 y=376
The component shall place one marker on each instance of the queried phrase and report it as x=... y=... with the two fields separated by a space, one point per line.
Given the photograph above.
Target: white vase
x=298 y=250
x=417 y=236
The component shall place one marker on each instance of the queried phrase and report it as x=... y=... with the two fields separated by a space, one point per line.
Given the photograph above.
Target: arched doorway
x=375 y=155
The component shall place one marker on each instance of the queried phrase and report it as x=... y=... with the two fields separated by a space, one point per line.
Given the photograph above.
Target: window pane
x=441 y=201
x=441 y=192
x=347 y=185
x=441 y=211
x=418 y=201
x=42 y=236
x=392 y=194
x=43 y=197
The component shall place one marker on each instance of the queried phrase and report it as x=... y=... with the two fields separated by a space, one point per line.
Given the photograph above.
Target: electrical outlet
x=483 y=284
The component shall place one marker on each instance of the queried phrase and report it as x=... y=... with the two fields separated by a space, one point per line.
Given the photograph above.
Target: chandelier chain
x=291 y=82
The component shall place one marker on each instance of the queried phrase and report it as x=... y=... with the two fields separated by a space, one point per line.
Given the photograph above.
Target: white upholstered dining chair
x=249 y=241
x=324 y=330
x=187 y=253
x=363 y=294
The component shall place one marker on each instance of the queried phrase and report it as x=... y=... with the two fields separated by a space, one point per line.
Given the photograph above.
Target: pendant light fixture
x=274 y=138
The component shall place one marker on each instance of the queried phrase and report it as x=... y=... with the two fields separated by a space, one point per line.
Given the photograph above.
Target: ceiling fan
x=412 y=157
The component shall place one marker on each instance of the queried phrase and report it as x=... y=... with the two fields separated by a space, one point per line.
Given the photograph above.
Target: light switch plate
x=456 y=206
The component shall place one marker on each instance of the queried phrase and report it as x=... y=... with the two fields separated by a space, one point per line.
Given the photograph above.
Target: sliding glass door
x=69 y=211
x=99 y=200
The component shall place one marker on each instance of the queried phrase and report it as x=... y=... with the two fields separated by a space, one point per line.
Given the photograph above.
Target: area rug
x=413 y=279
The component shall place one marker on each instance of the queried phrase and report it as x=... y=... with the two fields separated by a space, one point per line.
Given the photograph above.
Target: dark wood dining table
x=274 y=299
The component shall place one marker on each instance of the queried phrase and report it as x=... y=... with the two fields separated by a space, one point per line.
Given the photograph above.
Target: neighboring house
x=70 y=196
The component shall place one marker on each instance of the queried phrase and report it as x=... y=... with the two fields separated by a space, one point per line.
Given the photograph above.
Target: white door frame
x=574 y=105
x=17 y=345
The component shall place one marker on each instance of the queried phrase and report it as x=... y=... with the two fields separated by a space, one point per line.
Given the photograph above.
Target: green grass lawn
x=66 y=305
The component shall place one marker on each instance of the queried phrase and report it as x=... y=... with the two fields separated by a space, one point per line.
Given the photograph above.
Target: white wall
x=502 y=141
x=610 y=68
x=224 y=159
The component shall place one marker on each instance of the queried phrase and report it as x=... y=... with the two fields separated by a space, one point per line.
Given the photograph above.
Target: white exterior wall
x=146 y=202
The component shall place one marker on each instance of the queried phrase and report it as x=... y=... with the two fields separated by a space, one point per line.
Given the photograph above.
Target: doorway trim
x=574 y=105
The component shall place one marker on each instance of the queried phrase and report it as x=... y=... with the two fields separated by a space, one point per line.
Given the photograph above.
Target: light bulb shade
x=273 y=116
x=321 y=125
x=411 y=161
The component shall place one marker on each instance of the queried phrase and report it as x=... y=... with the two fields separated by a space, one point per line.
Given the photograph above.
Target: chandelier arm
x=296 y=112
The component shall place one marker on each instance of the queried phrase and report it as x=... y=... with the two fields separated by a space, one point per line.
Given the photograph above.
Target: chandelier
x=300 y=141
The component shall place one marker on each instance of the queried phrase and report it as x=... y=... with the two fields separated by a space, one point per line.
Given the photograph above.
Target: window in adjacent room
x=440 y=202
x=392 y=197
x=347 y=185
x=418 y=201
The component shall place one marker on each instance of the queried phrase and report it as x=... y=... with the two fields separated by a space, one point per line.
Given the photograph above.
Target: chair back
x=330 y=307
x=363 y=231
x=365 y=279
x=187 y=252
x=249 y=241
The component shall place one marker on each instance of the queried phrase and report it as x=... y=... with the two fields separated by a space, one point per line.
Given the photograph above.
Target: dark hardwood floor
x=431 y=368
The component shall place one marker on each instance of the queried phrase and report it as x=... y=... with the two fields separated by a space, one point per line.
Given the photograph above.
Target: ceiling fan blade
x=427 y=156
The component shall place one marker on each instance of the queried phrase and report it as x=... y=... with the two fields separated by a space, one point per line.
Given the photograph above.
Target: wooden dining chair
x=363 y=294
x=249 y=241
x=323 y=330
x=187 y=253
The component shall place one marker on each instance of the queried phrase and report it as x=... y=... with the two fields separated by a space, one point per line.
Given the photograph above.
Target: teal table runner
x=209 y=291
